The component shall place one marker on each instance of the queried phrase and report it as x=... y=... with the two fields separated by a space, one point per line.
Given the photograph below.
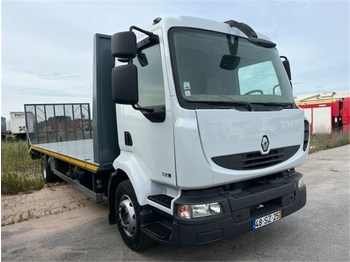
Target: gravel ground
x=52 y=199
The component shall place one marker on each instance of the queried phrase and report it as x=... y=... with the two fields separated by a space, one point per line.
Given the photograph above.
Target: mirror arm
x=152 y=36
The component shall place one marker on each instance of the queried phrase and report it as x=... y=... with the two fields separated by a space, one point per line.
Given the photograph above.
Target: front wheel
x=128 y=216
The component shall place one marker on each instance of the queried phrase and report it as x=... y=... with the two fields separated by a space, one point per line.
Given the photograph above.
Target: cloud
x=47 y=46
x=54 y=82
x=34 y=87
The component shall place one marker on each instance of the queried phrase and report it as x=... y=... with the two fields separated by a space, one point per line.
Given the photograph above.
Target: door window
x=150 y=77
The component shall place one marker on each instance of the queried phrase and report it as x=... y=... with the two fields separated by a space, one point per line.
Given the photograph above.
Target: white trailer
x=196 y=134
x=17 y=125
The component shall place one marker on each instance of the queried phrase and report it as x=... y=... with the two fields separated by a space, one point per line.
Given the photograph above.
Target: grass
x=19 y=173
x=319 y=142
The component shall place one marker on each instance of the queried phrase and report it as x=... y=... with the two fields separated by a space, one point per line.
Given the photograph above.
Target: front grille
x=255 y=160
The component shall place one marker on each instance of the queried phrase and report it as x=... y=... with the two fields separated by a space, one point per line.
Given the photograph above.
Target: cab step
x=162 y=199
x=158 y=231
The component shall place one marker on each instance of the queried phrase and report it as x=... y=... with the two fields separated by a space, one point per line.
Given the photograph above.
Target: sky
x=47 y=46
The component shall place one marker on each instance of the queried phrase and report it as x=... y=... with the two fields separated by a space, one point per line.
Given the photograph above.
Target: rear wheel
x=127 y=213
x=48 y=175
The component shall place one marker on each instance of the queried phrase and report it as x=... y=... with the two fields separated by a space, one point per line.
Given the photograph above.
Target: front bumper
x=240 y=209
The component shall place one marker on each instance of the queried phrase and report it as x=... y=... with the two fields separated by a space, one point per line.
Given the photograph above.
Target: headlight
x=196 y=211
x=300 y=183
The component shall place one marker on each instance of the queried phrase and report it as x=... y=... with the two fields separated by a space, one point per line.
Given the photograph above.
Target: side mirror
x=286 y=65
x=123 y=45
x=125 y=85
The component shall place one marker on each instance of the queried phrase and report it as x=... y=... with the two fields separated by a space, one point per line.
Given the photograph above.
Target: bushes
x=18 y=171
x=319 y=142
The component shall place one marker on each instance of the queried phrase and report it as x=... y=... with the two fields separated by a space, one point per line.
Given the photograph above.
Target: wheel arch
x=128 y=168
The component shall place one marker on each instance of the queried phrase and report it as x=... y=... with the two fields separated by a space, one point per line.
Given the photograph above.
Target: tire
x=127 y=213
x=48 y=175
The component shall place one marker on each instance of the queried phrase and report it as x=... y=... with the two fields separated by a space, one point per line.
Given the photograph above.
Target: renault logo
x=265 y=143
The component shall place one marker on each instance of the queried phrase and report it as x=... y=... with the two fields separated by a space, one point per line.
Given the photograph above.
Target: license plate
x=265 y=220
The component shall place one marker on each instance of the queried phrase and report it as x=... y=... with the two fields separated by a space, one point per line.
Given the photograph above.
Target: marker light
x=184 y=211
x=196 y=211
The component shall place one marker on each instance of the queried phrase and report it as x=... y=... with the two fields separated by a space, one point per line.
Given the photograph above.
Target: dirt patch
x=52 y=199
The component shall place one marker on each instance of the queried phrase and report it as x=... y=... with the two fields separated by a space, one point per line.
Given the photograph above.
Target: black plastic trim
x=306 y=134
x=246 y=29
x=154 y=114
x=255 y=160
x=127 y=138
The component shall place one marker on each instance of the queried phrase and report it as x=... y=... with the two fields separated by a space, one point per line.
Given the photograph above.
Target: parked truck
x=196 y=135
x=17 y=125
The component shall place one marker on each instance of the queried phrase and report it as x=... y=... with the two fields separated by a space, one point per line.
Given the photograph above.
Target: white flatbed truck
x=196 y=134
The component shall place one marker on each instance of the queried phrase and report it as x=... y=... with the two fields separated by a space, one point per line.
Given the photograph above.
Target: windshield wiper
x=225 y=103
x=284 y=105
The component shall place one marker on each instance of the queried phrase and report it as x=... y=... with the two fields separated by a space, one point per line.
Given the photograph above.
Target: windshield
x=214 y=68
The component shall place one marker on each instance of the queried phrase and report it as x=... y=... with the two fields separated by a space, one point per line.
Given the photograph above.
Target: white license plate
x=265 y=220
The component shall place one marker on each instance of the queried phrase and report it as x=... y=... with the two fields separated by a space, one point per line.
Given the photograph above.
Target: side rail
x=47 y=123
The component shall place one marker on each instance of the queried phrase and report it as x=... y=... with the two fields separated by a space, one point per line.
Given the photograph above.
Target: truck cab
x=208 y=131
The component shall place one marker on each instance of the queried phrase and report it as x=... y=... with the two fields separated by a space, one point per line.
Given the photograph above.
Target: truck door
x=148 y=125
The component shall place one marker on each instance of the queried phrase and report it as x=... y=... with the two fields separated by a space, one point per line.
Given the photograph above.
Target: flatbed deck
x=77 y=152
